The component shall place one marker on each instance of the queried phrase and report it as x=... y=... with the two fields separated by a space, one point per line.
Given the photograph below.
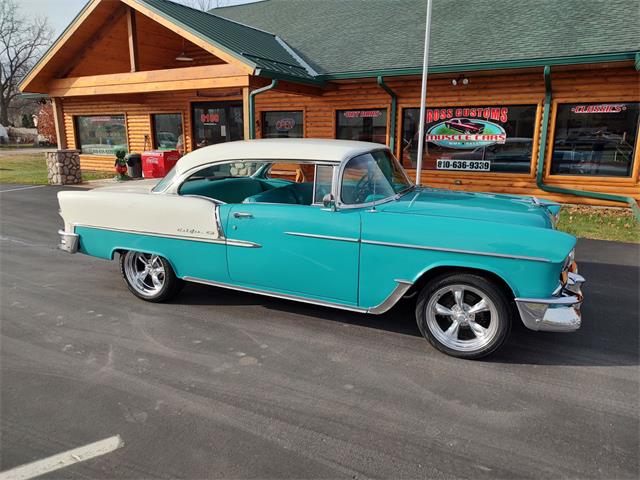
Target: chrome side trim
x=220 y=240
x=324 y=237
x=390 y=301
x=456 y=250
x=401 y=288
x=267 y=293
x=242 y=243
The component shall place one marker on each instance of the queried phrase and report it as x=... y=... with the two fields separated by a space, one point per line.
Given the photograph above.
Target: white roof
x=335 y=151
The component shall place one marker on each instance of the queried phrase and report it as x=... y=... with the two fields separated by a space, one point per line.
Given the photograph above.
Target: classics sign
x=466 y=127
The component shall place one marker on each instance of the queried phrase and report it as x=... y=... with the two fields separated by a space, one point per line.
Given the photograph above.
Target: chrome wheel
x=145 y=273
x=462 y=317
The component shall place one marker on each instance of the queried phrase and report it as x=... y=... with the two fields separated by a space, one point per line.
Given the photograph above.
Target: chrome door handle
x=242 y=215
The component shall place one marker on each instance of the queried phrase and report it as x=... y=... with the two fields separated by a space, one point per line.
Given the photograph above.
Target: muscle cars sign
x=466 y=128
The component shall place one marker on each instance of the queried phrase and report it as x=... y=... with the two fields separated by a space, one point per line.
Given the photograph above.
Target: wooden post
x=58 y=119
x=246 y=121
x=133 y=39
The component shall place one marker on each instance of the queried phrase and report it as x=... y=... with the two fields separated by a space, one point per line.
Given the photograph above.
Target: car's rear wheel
x=149 y=277
x=464 y=315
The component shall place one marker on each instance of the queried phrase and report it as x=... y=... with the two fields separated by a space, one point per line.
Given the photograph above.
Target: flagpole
x=423 y=97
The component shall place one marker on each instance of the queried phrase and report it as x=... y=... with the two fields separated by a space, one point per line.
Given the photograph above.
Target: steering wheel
x=363 y=188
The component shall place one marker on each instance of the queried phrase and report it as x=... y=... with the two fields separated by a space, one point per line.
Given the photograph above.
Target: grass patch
x=613 y=224
x=31 y=169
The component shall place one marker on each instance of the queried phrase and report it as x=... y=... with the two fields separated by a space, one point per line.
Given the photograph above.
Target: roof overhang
x=33 y=83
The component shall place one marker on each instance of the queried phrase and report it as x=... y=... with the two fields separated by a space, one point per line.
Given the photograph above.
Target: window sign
x=216 y=122
x=363 y=125
x=101 y=134
x=167 y=132
x=484 y=139
x=595 y=139
x=282 y=124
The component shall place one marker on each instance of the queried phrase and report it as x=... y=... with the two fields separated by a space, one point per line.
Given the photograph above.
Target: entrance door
x=216 y=122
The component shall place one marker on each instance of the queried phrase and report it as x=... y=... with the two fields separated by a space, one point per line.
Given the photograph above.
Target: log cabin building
x=536 y=98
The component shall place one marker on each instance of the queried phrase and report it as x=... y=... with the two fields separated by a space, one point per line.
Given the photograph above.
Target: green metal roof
x=263 y=50
x=353 y=38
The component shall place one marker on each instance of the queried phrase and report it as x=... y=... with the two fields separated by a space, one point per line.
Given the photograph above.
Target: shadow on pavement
x=609 y=334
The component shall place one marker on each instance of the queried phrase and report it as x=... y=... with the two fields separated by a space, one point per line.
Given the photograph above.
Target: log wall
x=601 y=83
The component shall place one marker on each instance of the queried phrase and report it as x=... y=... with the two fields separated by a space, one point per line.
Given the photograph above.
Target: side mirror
x=329 y=202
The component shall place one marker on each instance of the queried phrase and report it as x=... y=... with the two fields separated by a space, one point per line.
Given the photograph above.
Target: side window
x=225 y=182
x=324 y=178
x=294 y=172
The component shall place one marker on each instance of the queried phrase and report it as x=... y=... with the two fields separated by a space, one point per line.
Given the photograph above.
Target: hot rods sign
x=466 y=128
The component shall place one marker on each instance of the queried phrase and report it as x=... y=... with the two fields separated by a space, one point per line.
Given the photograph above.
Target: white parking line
x=62 y=460
x=22 y=188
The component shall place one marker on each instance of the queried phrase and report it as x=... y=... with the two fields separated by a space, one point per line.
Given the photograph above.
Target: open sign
x=285 y=124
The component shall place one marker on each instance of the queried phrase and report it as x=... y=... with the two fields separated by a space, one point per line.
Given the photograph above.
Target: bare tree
x=205 y=5
x=22 y=41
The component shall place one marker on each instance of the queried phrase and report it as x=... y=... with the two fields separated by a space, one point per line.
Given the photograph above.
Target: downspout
x=541 y=154
x=394 y=109
x=252 y=106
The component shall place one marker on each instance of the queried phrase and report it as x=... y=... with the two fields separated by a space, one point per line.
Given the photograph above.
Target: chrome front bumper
x=68 y=241
x=559 y=313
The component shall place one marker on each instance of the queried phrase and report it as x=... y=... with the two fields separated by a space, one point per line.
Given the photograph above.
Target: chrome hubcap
x=462 y=318
x=145 y=272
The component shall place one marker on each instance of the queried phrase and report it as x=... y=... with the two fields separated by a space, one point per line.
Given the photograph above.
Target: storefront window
x=595 y=139
x=216 y=123
x=167 y=132
x=282 y=124
x=363 y=125
x=101 y=135
x=484 y=139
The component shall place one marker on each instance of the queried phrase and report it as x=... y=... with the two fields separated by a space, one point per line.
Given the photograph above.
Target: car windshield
x=373 y=176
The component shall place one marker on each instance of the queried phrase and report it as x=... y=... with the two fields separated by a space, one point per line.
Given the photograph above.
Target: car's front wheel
x=464 y=315
x=149 y=277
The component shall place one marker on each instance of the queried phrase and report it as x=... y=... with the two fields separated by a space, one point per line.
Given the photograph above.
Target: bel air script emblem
x=465 y=133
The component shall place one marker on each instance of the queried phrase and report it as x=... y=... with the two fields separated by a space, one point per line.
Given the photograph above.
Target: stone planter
x=63 y=167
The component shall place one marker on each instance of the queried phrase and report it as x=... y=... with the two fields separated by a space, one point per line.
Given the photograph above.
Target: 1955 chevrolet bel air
x=339 y=224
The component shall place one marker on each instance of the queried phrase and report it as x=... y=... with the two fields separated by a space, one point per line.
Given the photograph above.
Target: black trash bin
x=134 y=165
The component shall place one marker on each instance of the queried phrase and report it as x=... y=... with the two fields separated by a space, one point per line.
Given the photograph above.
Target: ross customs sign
x=466 y=127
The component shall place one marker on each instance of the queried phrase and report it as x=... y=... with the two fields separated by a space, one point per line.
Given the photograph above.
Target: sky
x=61 y=12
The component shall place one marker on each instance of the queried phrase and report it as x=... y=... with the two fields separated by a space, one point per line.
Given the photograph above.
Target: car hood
x=510 y=209
x=133 y=186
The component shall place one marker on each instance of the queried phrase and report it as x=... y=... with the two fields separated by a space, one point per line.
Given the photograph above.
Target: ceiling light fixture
x=183 y=56
x=461 y=80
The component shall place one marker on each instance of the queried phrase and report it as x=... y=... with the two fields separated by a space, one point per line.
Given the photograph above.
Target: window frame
x=302 y=110
x=386 y=108
x=153 y=128
x=76 y=135
x=535 y=147
x=551 y=140
x=338 y=175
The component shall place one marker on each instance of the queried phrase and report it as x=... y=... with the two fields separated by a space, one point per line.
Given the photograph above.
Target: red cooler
x=157 y=163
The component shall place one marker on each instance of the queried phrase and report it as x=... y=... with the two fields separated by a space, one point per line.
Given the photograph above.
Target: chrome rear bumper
x=68 y=241
x=559 y=313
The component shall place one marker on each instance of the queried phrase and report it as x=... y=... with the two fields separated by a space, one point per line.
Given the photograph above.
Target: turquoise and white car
x=336 y=224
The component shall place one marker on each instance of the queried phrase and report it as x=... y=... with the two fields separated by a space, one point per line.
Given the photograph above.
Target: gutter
x=252 y=106
x=394 y=109
x=470 y=67
x=541 y=154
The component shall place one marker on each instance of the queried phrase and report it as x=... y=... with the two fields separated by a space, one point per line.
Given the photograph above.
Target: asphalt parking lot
x=220 y=384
